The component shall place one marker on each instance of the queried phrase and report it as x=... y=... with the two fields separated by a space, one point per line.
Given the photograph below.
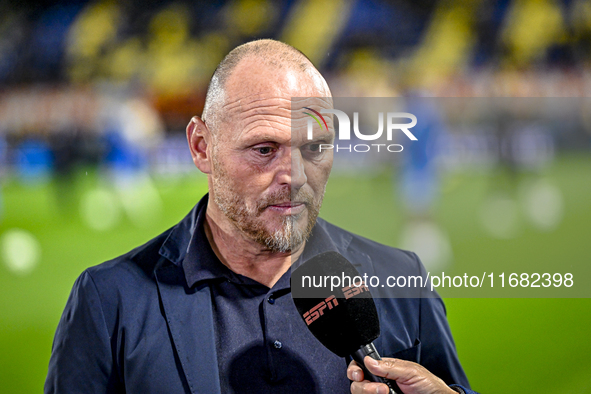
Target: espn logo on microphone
x=351 y=291
x=317 y=311
x=330 y=302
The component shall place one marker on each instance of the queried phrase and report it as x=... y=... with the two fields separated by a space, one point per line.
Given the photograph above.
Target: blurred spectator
x=418 y=184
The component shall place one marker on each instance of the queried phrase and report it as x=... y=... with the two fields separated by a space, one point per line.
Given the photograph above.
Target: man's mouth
x=288 y=208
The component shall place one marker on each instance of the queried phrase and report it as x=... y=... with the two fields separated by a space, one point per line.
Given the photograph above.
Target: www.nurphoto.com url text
x=491 y=280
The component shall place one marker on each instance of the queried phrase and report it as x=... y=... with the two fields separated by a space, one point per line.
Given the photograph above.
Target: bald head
x=256 y=55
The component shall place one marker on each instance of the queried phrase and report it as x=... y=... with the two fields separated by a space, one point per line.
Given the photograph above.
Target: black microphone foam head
x=340 y=313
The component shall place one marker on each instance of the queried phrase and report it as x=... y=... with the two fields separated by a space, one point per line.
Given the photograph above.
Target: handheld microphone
x=338 y=309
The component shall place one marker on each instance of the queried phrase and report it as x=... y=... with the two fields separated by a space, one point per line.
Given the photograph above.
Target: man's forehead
x=253 y=79
x=263 y=98
x=312 y=107
x=264 y=101
x=253 y=101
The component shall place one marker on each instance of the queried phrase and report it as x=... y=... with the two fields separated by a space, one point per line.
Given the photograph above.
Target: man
x=206 y=306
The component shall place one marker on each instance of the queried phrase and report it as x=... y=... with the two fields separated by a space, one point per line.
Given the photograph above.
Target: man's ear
x=199 y=138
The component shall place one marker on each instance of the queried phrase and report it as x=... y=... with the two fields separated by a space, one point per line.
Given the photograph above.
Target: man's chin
x=285 y=236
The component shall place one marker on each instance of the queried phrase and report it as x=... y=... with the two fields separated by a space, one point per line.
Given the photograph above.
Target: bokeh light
x=21 y=251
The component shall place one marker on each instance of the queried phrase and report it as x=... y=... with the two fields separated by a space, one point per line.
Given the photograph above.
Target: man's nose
x=293 y=172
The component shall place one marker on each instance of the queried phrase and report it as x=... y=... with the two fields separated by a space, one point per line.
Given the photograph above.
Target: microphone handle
x=370 y=350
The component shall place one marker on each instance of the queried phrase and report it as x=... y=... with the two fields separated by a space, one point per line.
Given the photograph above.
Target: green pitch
x=505 y=345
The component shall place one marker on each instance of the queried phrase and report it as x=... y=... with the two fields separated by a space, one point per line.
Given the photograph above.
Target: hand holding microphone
x=410 y=377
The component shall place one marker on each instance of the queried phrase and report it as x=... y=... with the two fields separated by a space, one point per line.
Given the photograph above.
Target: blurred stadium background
x=95 y=96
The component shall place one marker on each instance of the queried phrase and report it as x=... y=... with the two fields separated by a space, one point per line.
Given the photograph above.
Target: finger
x=391 y=368
x=367 y=387
x=354 y=372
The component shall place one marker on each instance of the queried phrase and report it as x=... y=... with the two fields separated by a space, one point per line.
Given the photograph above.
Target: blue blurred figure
x=420 y=185
x=122 y=156
x=34 y=161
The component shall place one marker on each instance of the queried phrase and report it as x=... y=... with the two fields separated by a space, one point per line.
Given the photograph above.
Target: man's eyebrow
x=258 y=139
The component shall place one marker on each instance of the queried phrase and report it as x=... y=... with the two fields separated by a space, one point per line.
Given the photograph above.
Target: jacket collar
x=323 y=240
x=176 y=245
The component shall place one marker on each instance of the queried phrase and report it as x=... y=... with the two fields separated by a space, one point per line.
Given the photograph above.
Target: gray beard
x=287 y=238
x=282 y=240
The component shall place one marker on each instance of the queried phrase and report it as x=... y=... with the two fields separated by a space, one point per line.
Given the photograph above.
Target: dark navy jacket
x=133 y=325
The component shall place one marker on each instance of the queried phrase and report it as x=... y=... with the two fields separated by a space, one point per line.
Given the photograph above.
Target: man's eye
x=265 y=150
x=312 y=149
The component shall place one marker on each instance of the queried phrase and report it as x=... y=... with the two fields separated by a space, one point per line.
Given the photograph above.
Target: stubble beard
x=247 y=218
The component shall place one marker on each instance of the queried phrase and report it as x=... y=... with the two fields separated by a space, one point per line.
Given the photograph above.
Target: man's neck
x=243 y=255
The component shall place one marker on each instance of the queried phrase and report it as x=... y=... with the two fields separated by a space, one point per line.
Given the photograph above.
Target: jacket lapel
x=189 y=317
